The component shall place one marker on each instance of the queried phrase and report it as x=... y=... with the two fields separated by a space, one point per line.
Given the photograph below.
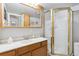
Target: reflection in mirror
x=20 y=15
x=35 y=21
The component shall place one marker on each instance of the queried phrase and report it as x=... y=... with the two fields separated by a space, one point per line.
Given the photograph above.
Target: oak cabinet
x=9 y=53
x=22 y=50
x=36 y=49
x=44 y=43
x=40 y=52
x=35 y=46
x=27 y=54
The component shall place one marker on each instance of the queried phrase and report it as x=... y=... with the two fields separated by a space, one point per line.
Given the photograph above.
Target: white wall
x=16 y=32
x=75 y=8
x=48 y=24
x=48 y=28
x=76 y=26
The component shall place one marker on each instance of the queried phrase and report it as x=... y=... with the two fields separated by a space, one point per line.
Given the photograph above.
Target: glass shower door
x=61 y=32
x=61 y=42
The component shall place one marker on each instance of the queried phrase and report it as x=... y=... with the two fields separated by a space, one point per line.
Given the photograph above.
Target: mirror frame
x=41 y=17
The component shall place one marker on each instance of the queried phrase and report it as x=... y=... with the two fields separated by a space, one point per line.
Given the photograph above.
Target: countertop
x=18 y=44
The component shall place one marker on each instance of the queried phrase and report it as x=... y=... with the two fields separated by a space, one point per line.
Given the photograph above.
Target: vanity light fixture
x=33 y=5
x=36 y=6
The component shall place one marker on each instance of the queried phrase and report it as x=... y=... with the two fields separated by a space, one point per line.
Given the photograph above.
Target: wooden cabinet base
x=37 y=49
x=10 y=53
x=27 y=54
x=40 y=52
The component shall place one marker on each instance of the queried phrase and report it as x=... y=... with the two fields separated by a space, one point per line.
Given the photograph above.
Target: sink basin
x=20 y=41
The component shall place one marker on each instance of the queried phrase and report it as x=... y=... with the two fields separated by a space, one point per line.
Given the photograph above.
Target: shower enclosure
x=76 y=32
x=61 y=42
x=58 y=30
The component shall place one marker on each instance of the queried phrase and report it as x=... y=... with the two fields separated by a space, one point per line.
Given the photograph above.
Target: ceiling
x=20 y=9
x=48 y=6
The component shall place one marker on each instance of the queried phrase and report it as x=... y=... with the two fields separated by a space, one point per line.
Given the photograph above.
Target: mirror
x=34 y=21
x=20 y=15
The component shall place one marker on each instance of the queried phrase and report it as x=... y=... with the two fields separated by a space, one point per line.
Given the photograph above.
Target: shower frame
x=69 y=29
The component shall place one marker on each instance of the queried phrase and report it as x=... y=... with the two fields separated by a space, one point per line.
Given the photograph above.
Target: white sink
x=20 y=43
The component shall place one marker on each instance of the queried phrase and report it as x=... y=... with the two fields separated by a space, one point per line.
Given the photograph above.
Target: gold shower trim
x=52 y=38
x=69 y=26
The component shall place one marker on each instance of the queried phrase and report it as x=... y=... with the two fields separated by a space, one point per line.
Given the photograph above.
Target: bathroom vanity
x=31 y=47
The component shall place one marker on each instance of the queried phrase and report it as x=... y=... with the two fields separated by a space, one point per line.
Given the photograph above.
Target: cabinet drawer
x=22 y=50
x=44 y=43
x=10 y=53
x=35 y=46
x=27 y=54
x=40 y=52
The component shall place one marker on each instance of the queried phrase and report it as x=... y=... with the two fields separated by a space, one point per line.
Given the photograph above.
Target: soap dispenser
x=10 y=40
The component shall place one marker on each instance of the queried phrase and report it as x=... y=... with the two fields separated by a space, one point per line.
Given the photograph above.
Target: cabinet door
x=44 y=43
x=35 y=46
x=0 y=15
x=22 y=50
x=40 y=52
x=26 y=20
x=10 y=53
x=27 y=54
